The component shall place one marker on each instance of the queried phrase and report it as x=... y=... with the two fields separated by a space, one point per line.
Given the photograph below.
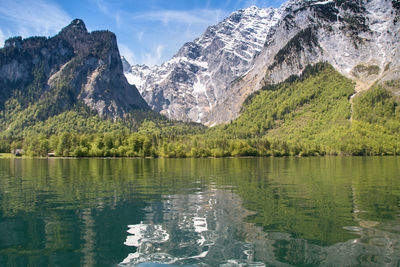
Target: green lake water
x=329 y=211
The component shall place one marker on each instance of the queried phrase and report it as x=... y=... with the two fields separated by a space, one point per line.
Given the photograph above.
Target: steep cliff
x=42 y=77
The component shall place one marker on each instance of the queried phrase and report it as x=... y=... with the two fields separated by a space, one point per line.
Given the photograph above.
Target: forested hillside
x=307 y=115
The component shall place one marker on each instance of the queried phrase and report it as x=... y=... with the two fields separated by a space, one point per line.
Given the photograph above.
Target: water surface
x=329 y=211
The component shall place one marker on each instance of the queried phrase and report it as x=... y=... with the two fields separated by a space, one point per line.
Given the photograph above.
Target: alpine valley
x=309 y=78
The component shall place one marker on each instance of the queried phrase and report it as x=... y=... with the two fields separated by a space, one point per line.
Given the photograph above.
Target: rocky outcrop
x=73 y=67
x=188 y=86
x=359 y=38
x=210 y=78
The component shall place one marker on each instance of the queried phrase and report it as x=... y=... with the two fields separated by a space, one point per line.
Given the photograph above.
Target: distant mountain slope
x=75 y=70
x=360 y=39
x=189 y=85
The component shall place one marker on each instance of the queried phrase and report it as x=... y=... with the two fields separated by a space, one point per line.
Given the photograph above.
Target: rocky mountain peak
x=210 y=77
x=188 y=86
x=75 y=67
x=358 y=38
x=77 y=25
x=125 y=64
x=13 y=42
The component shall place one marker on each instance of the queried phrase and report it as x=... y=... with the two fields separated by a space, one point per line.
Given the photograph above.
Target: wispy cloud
x=140 y=36
x=127 y=53
x=173 y=29
x=118 y=19
x=227 y=3
x=102 y=6
x=261 y=3
x=197 y=16
x=153 y=58
x=160 y=32
x=2 y=38
x=108 y=10
x=37 y=17
x=249 y=3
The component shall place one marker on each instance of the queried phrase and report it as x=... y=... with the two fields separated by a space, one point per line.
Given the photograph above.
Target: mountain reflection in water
x=201 y=228
x=328 y=211
x=210 y=229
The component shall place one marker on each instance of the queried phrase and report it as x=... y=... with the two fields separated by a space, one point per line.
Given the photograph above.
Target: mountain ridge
x=308 y=34
x=187 y=86
x=359 y=38
x=50 y=83
x=73 y=70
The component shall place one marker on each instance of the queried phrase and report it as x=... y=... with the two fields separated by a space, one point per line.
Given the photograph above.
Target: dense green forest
x=308 y=115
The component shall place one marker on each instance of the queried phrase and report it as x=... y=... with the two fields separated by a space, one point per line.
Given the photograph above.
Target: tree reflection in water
x=215 y=212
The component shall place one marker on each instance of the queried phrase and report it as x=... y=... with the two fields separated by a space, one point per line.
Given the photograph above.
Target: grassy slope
x=311 y=113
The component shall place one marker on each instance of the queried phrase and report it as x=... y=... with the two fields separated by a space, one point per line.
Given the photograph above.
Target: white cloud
x=127 y=53
x=140 y=36
x=172 y=28
x=198 y=16
x=118 y=20
x=151 y=59
x=109 y=11
x=261 y=3
x=102 y=6
x=227 y=3
x=251 y=3
x=2 y=38
x=37 y=17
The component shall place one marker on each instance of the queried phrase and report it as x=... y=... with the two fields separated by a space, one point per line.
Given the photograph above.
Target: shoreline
x=230 y=157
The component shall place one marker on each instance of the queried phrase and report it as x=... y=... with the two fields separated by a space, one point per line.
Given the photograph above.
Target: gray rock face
x=359 y=38
x=209 y=79
x=188 y=86
x=73 y=66
x=125 y=64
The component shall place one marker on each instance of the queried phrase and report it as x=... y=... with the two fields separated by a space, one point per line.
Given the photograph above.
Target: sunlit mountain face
x=189 y=85
x=209 y=79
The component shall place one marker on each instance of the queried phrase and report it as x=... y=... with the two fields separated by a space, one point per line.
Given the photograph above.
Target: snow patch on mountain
x=188 y=86
x=360 y=39
x=209 y=79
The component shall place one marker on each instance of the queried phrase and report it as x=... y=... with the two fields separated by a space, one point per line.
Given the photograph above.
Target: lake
x=329 y=211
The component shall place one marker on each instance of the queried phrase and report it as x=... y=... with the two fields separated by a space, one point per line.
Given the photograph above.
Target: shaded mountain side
x=43 y=77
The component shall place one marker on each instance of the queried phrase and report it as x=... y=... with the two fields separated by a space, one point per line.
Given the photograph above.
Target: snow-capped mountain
x=209 y=79
x=189 y=85
x=358 y=38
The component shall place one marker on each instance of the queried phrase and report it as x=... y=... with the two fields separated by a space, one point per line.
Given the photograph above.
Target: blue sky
x=148 y=31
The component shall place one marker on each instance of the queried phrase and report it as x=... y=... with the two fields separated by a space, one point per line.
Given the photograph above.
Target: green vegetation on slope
x=376 y=124
x=378 y=106
x=310 y=115
x=305 y=115
x=299 y=108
